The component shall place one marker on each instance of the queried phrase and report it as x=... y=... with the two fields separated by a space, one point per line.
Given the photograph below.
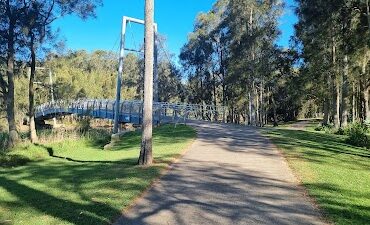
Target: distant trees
x=333 y=40
x=231 y=58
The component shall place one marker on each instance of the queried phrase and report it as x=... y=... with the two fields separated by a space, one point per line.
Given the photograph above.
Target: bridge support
x=125 y=20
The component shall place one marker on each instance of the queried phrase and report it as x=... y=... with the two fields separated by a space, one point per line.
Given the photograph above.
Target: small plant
x=84 y=124
x=340 y=131
x=319 y=128
x=357 y=135
x=3 y=142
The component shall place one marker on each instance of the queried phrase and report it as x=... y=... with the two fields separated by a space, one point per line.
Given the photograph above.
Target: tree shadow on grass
x=72 y=212
x=50 y=151
x=325 y=142
x=94 y=193
x=342 y=205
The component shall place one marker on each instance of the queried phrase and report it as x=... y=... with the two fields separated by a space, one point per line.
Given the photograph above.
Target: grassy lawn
x=337 y=175
x=76 y=182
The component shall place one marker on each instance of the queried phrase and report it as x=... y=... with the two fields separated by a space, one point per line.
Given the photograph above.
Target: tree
x=333 y=39
x=19 y=16
x=146 y=157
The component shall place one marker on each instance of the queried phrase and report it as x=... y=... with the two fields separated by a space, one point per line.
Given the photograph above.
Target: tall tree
x=13 y=22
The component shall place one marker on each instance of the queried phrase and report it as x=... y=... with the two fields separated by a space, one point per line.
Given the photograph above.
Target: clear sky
x=175 y=20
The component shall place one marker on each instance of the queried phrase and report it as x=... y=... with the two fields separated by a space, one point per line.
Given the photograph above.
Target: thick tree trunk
x=31 y=94
x=10 y=107
x=146 y=156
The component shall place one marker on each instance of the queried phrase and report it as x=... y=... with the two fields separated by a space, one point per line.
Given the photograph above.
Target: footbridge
x=131 y=111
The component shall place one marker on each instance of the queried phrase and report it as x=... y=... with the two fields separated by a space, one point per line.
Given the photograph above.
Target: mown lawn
x=337 y=175
x=76 y=182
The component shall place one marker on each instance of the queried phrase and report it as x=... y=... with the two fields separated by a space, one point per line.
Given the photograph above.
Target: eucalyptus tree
x=252 y=30
x=334 y=36
x=18 y=16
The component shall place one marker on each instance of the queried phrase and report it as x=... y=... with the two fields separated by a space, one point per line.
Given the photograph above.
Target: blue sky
x=175 y=20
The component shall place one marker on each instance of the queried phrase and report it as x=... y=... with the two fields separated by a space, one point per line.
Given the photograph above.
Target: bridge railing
x=104 y=108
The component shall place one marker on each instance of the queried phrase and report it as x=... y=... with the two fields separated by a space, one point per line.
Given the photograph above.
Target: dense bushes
x=357 y=135
x=356 y=132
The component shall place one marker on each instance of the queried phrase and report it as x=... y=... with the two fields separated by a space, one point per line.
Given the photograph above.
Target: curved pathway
x=230 y=175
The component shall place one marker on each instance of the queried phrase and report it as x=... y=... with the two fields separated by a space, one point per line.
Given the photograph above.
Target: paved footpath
x=230 y=175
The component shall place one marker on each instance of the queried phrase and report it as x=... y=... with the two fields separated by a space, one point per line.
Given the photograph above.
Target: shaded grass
x=337 y=175
x=91 y=189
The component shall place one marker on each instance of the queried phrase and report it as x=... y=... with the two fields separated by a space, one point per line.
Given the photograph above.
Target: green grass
x=76 y=182
x=337 y=175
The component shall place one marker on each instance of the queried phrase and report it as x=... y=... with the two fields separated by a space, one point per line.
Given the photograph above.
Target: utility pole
x=156 y=93
x=146 y=157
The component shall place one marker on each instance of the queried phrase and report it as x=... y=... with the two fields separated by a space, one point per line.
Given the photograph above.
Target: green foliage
x=82 y=183
x=84 y=124
x=357 y=135
x=3 y=141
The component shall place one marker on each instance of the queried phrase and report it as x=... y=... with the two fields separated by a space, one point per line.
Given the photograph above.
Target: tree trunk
x=345 y=100
x=146 y=157
x=326 y=112
x=274 y=111
x=257 y=107
x=31 y=94
x=354 y=110
x=262 y=105
x=366 y=103
x=13 y=134
x=252 y=112
x=368 y=14
x=336 y=85
x=337 y=106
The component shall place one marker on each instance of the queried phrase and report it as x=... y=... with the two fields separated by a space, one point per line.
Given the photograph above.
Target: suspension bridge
x=131 y=111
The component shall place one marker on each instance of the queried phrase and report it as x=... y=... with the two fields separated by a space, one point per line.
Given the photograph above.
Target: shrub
x=319 y=128
x=340 y=131
x=3 y=142
x=357 y=135
x=84 y=124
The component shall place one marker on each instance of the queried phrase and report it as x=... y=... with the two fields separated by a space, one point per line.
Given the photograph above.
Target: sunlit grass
x=81 y=183
x=337 y=175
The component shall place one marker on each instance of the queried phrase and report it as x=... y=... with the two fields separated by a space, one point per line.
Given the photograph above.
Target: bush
x=340 y=131
x=357 y=135
x=3 y=142
x=84 y=124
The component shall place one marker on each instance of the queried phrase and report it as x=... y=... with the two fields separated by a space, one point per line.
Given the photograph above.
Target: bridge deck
x=131 y=111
